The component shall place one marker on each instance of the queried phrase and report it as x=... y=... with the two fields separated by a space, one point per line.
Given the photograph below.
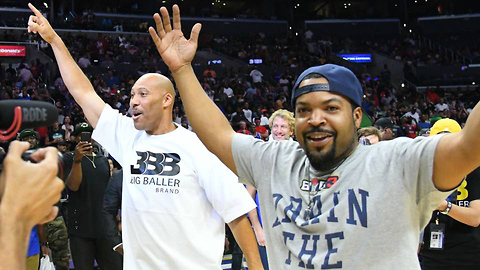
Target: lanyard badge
x=437 y=235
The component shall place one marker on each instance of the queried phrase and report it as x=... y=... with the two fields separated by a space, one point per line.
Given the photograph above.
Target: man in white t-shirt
x=177 y=196
x=256 y=76
x=228 y=90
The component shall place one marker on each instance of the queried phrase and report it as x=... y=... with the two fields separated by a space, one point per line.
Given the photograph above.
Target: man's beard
x=325 y=162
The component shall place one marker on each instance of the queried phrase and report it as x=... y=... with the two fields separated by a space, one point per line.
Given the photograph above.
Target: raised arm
x=178 y=52
x=76 y=82
x=458 y=154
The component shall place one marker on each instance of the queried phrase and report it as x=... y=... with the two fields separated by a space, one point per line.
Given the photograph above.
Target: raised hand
x=175 y=50
x=38 y=24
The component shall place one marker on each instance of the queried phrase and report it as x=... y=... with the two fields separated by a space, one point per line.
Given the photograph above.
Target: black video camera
x=27 y=157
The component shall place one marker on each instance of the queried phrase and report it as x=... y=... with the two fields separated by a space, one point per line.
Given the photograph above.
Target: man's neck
x=163 y=129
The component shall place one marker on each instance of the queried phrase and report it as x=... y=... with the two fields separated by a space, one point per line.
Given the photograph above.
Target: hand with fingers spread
x=175 y=49
x=38 y=24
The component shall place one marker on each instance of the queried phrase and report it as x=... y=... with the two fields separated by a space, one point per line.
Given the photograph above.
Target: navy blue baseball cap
x=341 y=80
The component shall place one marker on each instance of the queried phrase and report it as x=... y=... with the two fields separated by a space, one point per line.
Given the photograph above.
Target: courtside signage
x=9 y=50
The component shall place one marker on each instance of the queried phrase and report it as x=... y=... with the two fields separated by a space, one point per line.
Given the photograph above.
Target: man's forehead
x=325 y=96
x=280 y=120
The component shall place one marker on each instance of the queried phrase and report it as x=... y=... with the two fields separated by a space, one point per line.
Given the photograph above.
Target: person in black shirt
x=88 y=175
x=452 y=238
x=54 y=135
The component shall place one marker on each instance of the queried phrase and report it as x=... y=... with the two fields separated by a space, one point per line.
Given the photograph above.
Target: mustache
x=320 y=130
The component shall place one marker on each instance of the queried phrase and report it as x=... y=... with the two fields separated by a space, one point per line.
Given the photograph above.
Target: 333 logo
x=150 y=163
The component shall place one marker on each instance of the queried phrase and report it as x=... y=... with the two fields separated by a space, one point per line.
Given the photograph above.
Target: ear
x=357 y=116
x=168 y=100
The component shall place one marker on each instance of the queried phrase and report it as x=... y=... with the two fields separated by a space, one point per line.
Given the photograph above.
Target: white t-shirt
x=256 y=76
x=228 y=91
x=177 y=196
x=248 y=114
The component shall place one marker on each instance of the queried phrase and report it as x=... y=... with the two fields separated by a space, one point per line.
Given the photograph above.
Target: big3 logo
x=156 y=164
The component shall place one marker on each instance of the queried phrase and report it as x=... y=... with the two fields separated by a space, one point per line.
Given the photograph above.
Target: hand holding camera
x=29 y=190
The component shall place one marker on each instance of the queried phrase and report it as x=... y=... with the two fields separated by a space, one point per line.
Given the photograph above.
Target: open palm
x=175 y=50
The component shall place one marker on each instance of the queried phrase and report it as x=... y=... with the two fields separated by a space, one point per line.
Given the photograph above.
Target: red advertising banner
x=8 y=50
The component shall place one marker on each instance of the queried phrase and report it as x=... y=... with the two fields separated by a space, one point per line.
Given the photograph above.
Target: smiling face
x=325 y=126
x=281 y=129
x=151 y=101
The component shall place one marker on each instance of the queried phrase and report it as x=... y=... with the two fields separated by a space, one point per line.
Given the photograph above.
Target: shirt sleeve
x=228 y=197
x=415 y=158
x=252 y=157
x=113 y=130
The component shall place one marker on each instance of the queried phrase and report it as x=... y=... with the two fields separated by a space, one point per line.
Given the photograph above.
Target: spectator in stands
x=424 y=123
x=369 y=135
x=386 y=127
x=256 y=75
x=55 y=134
x=238 y=116
x=84 y=62
x=247 y=112
x=209 y=72
x=112 y=79
x=25 y=75
x=227 y=90
x=243 y=128
x=441 y=105
x=68 y=128
x=282 y=125
x=261 y=131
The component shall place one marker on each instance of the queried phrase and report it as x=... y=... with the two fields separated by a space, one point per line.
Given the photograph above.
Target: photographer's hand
x=29 y=192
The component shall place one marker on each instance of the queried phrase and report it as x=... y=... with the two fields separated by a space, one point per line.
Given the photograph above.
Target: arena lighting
x=410 y=30
x=45 y=4
x=473 y=83
x=403 y=85
x=224 y=4
x=404 y=25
